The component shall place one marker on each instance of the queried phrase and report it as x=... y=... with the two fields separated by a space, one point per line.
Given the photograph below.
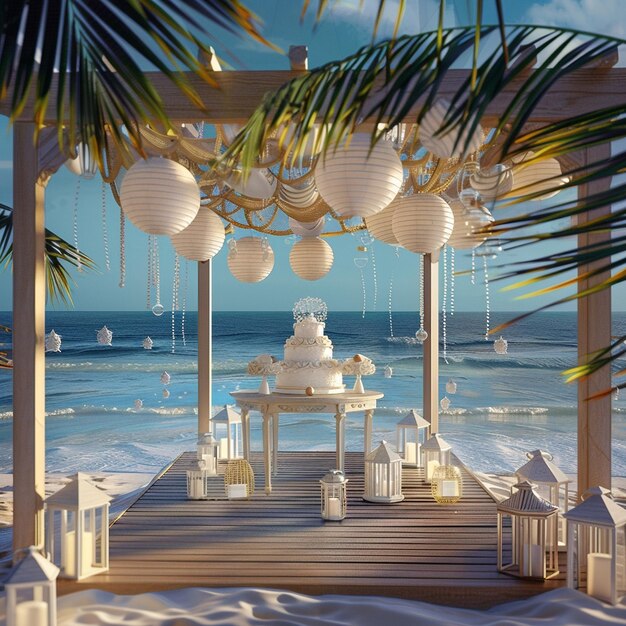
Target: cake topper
x=307 y=307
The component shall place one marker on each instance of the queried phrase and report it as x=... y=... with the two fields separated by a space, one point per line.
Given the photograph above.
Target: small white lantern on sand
x=383 y=475
x=435 y=452
x=77 y=517
x=31 y=596
x=333 y=495
x=534 y=554
x=409 y=442
x=596 y=546
x=208 y=452
x=552 y=484
x=231 y=420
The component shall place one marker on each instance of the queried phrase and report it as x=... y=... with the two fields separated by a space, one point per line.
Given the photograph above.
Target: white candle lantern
x=447 y=484
x=77 y=529
x=229 y=419
x=207 y=452
x=383 y=475
x=531 y=538
x=596 y=546
x=31 y=596
x=552 y=484
x=435 y=452
x=198 y=481
x=408 y=439
x=333 y=495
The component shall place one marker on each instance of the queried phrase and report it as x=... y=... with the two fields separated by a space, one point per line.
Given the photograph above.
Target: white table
x=270 y=406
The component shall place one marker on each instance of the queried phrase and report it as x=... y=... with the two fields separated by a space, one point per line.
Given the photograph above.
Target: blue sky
x=340 y=33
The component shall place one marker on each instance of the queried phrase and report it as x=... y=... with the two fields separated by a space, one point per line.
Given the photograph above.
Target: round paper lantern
x=536 y=177
x=452 y=143
x=250 y=259
x=160 y=196
x=492 y=183
x=357 y=180
x=300 y=197
x=468 y=222
x=422 y=222
x=202 y=239
x=379 y=225
x=311 y=258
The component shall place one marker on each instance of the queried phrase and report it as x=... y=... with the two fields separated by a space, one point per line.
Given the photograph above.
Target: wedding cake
x=309 y=367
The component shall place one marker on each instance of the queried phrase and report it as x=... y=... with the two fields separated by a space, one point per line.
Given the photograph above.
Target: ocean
x=505 y=405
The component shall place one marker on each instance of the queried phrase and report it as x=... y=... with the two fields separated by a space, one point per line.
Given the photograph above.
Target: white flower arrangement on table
x=358 y=366
x=264 y=365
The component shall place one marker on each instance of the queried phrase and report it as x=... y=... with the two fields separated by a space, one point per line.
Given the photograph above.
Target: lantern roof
x=540 y=469
x=33 y=568
x=413 y=419
x=383 y=454
x=78 y=493
x=334 y=476
x=436 y=442
x=598 y=507
x=527 y=501
x=227 y=415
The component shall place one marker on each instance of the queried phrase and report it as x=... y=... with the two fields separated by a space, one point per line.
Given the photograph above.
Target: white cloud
x=419 y=15
x=606 y=17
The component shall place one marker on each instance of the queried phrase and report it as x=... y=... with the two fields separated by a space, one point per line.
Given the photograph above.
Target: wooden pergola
x=239 y=93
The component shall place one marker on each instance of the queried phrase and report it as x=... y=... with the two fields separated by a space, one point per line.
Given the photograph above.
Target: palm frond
x=58 y=253
x=97 y=51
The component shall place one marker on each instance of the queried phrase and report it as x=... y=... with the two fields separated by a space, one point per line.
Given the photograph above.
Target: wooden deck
x=414 y=549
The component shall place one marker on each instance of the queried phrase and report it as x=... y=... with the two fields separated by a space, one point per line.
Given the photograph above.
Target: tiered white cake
x=309 y=367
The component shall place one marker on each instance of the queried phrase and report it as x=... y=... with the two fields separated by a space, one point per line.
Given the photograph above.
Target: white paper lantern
x=536 y=177
x=422 y=223
x=358 y=180
x=492 y=183
x=468 y=224
x=300 y=197
x=452 y=143
x=311 y=258
x=380 y=225
x=250 y=259
x=259 y=184
x=307 y=229
x=160 y=196
x=202 y=239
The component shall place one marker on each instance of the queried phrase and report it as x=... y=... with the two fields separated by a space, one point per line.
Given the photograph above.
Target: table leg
x=267 y=451
x=245 y=433
x=275 y=442
x=367 y=431
x=340 y=439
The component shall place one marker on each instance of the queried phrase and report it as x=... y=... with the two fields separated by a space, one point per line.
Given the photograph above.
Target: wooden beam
x=240 y=92
x=29 y=310
x=431 y=345
x=205 y=339
x=594 y=333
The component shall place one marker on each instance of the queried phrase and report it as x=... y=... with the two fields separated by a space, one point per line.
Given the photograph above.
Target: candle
x=599 y=568
x=68 y=558
x=410 y=452
x=334 y=508
x=430 y=469
x=87 y=552
x=209 y=463
x=223 y=448
x=534 y=557
x=31 y=613
x=449 y=488
x=237 y=491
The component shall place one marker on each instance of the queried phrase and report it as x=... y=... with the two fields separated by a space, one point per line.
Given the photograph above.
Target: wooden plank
x=594 y=333
x=29 y=305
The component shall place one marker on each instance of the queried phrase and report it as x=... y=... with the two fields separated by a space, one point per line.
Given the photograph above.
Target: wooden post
x=594 y=333
x=29 y=311
x=431 y=345
x=205 y=341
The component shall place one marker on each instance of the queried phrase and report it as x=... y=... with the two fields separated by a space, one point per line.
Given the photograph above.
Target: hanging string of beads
x=175 y=286
x=487 y=303
x=360 y=263
x=79 y=265
x=444 y=306
x=389 y=305
x=473 y=275
x=158 y=309
x=452 y=280
x=105 y=230
x=373 y=257
x=150 y=277
x=421 y=335
x=122 y=282
x=184 y=307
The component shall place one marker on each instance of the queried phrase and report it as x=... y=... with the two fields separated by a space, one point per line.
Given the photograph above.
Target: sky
x=342 y=31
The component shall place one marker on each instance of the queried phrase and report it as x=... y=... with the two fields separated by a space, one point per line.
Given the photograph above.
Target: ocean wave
x=190 y=367
x=102 y=410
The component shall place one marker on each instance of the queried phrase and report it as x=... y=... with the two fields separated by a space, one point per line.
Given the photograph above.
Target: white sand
x=249 y=607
